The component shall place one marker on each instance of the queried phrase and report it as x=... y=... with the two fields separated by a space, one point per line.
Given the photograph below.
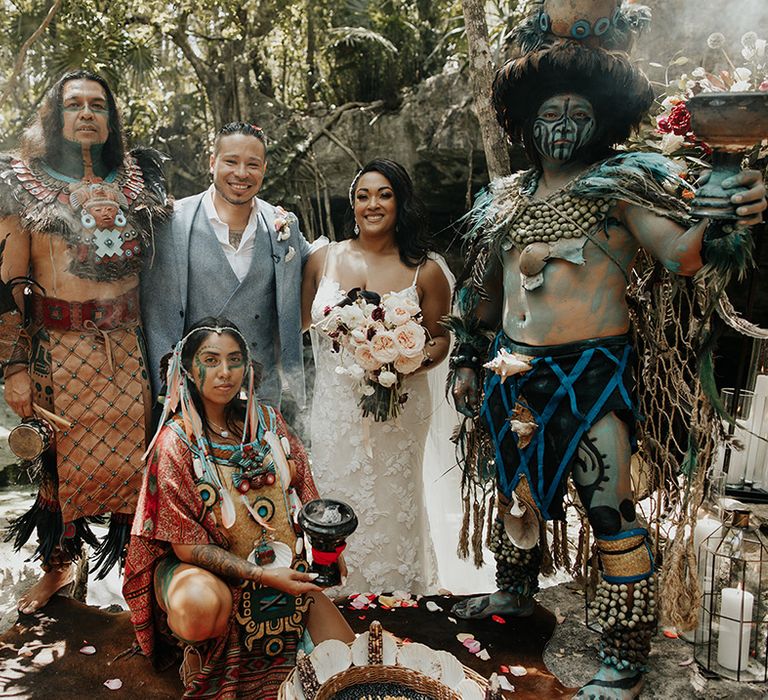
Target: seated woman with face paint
x=215 y=565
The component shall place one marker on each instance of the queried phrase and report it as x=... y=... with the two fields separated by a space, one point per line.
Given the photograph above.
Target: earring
x=357 y=230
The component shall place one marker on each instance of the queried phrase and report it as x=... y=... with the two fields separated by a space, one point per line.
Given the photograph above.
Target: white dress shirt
x=239 y=258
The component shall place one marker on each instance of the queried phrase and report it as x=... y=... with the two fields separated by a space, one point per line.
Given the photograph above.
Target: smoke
x=682 y=27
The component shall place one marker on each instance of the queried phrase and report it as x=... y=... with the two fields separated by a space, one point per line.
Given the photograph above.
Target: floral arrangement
x=381 y=340
x=671 y=131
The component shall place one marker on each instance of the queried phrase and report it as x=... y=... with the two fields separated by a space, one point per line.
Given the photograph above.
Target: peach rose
x=383 y=346
x=410 y=339
x=399 y=308
x=407 y=365
x=364 y=357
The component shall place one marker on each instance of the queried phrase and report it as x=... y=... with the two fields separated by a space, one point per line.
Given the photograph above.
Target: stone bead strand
x=517 y=570
x=627 y=614
x=539 y=222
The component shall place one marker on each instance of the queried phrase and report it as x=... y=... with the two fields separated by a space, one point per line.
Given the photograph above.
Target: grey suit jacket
x=164 y=290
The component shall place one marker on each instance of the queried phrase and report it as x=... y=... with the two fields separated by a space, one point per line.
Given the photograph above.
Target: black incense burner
x=327 y=523
x=731 y=123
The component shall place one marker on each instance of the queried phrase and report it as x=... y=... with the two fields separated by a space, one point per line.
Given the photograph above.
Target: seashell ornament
x=507 y=364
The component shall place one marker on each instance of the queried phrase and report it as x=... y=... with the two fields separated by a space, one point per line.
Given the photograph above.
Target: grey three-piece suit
x=187 y=276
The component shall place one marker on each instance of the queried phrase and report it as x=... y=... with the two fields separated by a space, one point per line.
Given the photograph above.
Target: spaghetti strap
x=416 y=276
x=327 y=255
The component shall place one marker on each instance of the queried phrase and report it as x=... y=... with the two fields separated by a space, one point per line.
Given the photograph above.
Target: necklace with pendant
x=218 y=429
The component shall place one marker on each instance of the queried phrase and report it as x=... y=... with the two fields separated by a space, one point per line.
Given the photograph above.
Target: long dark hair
x=411 y=232
x=234 y=411
x=43 y=138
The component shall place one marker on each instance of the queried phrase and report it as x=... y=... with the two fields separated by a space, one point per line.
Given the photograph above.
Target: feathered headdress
x=577 y=46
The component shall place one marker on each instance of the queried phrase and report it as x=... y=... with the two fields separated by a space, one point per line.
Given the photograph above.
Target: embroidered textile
x=171 y=509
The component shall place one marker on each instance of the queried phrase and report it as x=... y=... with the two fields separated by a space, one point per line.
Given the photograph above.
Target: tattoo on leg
x=589 y=470
x=627 y=509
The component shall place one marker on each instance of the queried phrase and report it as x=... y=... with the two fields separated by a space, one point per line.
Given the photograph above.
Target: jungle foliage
x=182 y=68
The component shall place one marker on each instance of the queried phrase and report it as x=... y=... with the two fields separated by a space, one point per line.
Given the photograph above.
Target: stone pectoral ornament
x=546 y=229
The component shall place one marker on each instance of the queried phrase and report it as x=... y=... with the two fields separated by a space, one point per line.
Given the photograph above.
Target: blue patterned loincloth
x=569 y=388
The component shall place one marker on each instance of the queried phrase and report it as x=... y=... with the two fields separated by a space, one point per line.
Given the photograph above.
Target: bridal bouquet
x=382 y=340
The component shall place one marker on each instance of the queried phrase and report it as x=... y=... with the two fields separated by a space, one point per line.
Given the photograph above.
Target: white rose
x=358 y=337
x=387 y=378
x=410 y=339
x=352 y=316
x=356 y=372
x=407 y=365
x=364 y=357
x=383 y=346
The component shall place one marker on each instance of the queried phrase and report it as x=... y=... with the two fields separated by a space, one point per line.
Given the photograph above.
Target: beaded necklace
x=548 y=220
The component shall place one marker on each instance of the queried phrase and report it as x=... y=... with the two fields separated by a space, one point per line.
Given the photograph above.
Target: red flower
x=371 y=332
x=326 y=310
x=763 y=87
x=377 y=314
x=678 y=122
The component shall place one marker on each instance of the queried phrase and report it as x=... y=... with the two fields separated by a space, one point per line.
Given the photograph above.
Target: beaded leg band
x=517 y=570
x=625 y=601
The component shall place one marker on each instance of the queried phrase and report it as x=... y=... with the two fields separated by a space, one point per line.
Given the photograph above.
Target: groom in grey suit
x=228 y=253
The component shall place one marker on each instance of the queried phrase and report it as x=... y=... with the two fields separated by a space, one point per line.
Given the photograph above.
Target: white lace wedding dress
x=382 y=471
x=376 y=467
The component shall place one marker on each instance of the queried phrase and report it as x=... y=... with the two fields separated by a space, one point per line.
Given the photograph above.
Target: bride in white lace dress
x=376 y=467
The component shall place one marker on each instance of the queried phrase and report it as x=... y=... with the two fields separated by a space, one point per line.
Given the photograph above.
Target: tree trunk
x=481 y=69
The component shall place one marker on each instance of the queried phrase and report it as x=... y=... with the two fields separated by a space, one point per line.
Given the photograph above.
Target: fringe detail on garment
x=547 y=563
x=738 y=323
x=111 y=549
x=463 y=547
x=478 y=513
x=44 y=518
x=490 y=518
x=680 y=602
x=578 y=566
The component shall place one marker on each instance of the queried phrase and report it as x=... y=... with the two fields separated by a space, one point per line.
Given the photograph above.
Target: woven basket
x=357 y=675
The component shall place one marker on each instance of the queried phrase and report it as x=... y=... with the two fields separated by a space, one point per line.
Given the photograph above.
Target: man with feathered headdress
x=544 y=311
x=76 y=212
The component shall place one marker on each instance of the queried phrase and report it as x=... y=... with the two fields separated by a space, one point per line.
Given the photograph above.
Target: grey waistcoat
x=214 y=290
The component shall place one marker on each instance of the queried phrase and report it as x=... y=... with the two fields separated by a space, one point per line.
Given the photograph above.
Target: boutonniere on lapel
x=290 y=254
x=283 y=222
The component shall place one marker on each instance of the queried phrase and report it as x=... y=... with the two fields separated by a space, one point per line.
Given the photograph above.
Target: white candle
x=735 y=628
x=738 y=461
x=704 y=529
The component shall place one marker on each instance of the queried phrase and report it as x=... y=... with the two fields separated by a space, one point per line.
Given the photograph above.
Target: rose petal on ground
x=443 y=591
x=483 y=655
x=504 y=684
x=686 y=662
x=453 y=620
x=518 y=670
x=461 y=636
x=114 y=684
x=669 y=634
x=503 y=669
x=25 y=651
x=499 y=619
x=473 y=646
x=88 y=650
x=432 y=606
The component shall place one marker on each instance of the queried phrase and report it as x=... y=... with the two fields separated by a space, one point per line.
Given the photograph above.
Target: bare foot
x=50 y=584
x=611 y=684
x=498 y=603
